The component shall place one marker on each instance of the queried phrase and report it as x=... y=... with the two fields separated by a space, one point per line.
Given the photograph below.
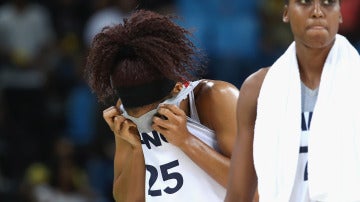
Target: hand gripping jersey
x=171 y=176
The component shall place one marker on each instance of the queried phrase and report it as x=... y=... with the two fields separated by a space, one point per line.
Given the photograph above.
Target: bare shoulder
x=247 y=102
x=252 y=85
x=214 y=98
x=213 y=88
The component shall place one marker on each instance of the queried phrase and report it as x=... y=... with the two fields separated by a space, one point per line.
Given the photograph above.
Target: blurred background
x=54 y=144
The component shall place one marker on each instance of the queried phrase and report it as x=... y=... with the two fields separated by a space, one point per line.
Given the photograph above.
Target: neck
x=311 y=63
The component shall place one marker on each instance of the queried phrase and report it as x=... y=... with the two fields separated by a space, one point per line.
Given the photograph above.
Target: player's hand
x=121 y=127
x=172 y=125
x=109 y=114
x=126 y=130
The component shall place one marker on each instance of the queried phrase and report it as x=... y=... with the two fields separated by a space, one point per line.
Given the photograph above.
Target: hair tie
x=144 y=94
x=126 y=52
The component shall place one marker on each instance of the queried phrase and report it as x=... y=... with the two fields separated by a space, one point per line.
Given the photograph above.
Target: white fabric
x=334 y=139
x=300 y=190
x=144 y=122
x=171 y=175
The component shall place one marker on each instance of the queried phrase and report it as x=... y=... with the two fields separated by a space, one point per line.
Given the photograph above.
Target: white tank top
x=300 y=191
x=171 y=176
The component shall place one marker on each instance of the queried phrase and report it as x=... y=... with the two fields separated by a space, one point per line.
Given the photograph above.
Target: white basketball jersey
x=300 y=192
x=171 y=176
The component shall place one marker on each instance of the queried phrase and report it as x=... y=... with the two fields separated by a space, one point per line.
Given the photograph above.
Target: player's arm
x=242 y=178
x=129 y=166
x=216 y=106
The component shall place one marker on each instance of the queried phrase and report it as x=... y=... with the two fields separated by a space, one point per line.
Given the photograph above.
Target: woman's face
x=314 y=23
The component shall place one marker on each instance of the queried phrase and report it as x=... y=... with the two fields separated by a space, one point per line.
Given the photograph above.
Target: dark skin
x=216 y=106
x=314 y=24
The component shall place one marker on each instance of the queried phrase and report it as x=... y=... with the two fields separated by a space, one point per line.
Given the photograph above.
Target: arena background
x=54 y=145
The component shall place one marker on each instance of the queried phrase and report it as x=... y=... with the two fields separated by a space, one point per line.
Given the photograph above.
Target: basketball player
x=174 y=133
x=299 y=132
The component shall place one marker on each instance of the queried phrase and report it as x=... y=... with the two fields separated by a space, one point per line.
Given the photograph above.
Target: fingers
x=170 y=110
x=122 y=124
x=111 y=111
x=160 y=129
x=174 y=116
x=118 y=123
x=127 y=130
x=109 y=114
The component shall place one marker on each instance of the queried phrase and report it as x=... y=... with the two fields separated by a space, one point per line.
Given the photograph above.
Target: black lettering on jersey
x=166 y=174
x=305 y=126
x=303 y=149
x=306 y=172
x=155 y=139
x=306 y=120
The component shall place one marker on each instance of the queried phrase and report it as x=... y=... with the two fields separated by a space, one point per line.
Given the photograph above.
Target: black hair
x=145 y=47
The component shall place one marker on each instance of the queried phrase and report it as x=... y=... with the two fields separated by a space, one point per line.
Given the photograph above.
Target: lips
x=317 y=26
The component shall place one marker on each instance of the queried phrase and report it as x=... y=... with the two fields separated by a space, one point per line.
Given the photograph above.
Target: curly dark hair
x=146 y=47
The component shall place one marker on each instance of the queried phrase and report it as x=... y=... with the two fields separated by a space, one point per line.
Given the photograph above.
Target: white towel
x=334 y=140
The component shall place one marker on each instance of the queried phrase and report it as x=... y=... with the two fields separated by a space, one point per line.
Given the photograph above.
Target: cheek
x=334 y=29
x=297 y=20
x=335 y=23
x=297 y=26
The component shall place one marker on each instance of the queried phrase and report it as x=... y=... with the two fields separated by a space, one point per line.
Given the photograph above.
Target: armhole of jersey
x=193 y=111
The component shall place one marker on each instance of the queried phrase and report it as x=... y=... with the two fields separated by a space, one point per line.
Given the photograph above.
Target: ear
x=178 y=87
x=340 y=18
x=118 y=103
x=285 y=16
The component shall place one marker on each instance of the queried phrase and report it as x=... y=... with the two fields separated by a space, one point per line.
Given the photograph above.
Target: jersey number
x=166 y=175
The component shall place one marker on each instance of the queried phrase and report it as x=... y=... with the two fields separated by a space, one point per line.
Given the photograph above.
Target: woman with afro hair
x=174 y=132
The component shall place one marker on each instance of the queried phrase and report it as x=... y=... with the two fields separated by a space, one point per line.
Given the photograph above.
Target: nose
x=317 y=11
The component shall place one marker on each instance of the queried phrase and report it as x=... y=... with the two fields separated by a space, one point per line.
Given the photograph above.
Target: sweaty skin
x=314 y=24
x=244 y=179
x=216 y=106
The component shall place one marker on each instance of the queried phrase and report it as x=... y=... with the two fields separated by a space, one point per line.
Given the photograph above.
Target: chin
x=319 y=39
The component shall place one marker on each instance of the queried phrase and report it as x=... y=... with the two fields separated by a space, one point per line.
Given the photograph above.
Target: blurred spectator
x=59 y=180
x=36 y=184
x=26 y=33
x=80 y=115
x=99 y=166
x=69 y=179
x=68 y=16
x=106 y=12
x=26 y=41
x=275 y=36
x=5 y=186
x=228 y=31
x=236 y=41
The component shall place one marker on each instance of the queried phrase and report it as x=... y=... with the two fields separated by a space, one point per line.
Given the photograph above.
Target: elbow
x=122 y=195
x=116 y=193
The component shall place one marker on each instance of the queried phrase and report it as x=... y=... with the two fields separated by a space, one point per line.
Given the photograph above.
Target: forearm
x=211 y=161
x=129 y=173
x=242 y=178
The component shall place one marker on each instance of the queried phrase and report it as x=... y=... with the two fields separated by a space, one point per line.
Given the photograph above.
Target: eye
x=304 y=1
x=329 y=2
